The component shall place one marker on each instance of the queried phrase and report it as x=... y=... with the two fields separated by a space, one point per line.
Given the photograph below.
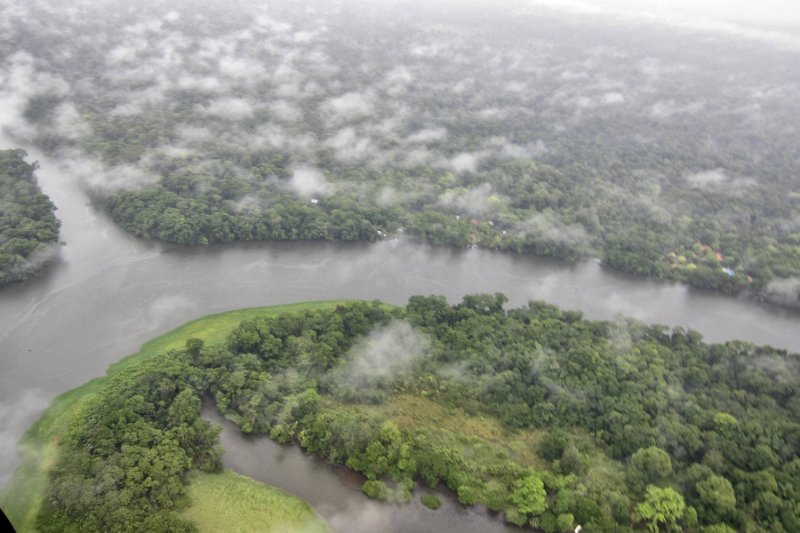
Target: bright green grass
x=237 y=504
x=21 y=498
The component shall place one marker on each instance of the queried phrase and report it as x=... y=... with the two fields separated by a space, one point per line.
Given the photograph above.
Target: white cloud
x=706 y=178
x=477 y=201
x=68 y=123
x=428 y=135
x=464 y=162
x=285 y=110
x=349 y=107
x=387 y=350
x=349 y=146
x=611 y=98
x=230 y=108
x=16 y=415
x=308 y=181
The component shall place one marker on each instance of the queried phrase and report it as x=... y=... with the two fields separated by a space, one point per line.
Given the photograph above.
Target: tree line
x=28 y=225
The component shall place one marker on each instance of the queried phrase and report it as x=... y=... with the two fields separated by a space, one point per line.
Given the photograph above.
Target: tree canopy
x=28 y=225
x=536 y=412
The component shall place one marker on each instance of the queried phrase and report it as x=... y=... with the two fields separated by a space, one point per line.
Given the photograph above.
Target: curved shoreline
x=40 y=446
x=21 y=497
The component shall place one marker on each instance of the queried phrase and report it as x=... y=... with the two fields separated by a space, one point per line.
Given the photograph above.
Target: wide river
x=109 y=292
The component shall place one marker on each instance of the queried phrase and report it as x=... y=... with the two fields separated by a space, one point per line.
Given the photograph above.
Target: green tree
x=649 y=466
x=661 y=507
x=717 y=495
x=529 y=495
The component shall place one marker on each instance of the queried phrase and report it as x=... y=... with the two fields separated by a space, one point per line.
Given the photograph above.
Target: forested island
x=28 y=225
x=662 y=152
x=546 y=417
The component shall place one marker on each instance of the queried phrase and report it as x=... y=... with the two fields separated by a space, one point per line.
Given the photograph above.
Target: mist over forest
x=652 y=137
x=664 y=151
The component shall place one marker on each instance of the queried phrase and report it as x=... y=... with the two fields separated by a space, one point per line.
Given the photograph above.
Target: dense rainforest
x=28 y=225
x=664 y=152
x=549 y=418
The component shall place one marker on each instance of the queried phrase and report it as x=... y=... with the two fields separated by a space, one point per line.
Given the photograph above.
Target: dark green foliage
x=123 y=464
x=623 y=405
x=641 y=427
x=28 y=227
x=431 y=501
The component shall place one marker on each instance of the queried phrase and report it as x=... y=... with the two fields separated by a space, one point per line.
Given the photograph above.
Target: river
x=109 y=292
x=335 y=493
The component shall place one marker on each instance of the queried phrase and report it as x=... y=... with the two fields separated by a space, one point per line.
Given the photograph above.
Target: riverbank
x=21 y=498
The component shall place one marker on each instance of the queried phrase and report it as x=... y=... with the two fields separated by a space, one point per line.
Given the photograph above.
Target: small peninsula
x=537 y=413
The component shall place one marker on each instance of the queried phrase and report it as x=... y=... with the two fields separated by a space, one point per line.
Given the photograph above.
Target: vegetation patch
x=624 y=426
x=28 y=225
x=431 y=501
x=229 y=502
x=22 y=496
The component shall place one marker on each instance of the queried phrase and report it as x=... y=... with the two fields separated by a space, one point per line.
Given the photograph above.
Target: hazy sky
x=773 y=21
x=764 y=13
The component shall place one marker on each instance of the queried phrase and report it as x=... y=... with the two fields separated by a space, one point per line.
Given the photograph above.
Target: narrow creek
x=335 y=493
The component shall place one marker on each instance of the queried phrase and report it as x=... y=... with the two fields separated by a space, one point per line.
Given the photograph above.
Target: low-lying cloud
x=386 y=351
x=309 y=181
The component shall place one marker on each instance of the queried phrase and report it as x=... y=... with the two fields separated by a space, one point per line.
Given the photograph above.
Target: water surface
x=109 y=292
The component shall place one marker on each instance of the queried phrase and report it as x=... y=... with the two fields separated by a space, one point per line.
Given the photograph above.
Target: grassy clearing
x=21 y=498
x=237 y=504
x=414 y=412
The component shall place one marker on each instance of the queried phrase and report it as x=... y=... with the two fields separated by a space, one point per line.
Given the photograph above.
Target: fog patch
x=428 y=135
x=549 y=228
x=777 y=366
x=668 y=108
x=230 y=108
x=247 y=205
x=16 y=415
x=612 y=98
x=68 y=123
x=101 y=178
x=19 y=82
x=349 y=107
x=784 y=291
x=125 y=54
x=477 y=201
x=43 y=254
x=386 y=351
x=502 y=147
x=397 y=80
x=387 y=197
x=707 y=178
x=285 y=110
x=348 y=146
x=464 y=162
x=194 y=134
x=420 y=157
x=242 y=69
x=309 y=181
x=203 y=84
